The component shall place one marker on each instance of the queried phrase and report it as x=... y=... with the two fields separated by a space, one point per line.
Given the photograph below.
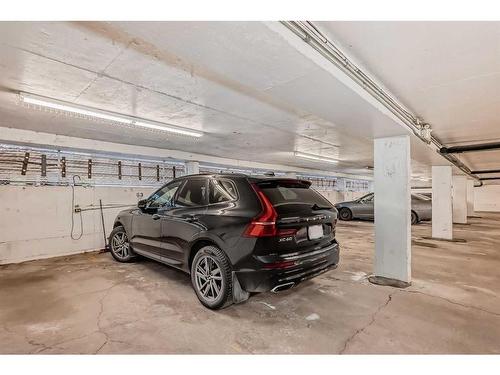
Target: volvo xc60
x=234 y=234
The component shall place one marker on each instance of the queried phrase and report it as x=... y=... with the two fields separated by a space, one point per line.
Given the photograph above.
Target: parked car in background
x=363 y=208
x=233 y=233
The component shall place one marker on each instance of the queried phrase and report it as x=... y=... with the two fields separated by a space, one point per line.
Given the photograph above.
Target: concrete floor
x=91 y=304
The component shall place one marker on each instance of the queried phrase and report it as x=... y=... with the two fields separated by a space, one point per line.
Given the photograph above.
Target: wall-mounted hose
x=73 y=211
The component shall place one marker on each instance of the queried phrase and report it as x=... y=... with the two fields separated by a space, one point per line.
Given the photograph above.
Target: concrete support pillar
x=392 y=211
x=192 y=167
x=459 y=193
x=470 y=197
x=442 y=212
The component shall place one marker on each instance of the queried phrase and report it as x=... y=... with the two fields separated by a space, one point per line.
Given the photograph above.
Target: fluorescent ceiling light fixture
x=168 y=128
x=314 y=157
x=73 y=109
x=103 y=115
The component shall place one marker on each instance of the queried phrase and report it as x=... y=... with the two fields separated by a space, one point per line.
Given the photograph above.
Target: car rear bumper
x=306 y=265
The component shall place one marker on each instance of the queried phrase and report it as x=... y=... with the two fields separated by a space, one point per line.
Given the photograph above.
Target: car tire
x=119 y=245
x=414 y=218
x=345 y=214
x=211 y=277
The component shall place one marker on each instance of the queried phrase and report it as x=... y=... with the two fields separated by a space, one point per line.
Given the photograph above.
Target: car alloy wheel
x=120 y=245
x=345 y=214
x=208 y=277
x=212 y=277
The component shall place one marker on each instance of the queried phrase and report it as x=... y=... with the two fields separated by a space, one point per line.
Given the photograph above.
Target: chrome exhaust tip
x=282 y=287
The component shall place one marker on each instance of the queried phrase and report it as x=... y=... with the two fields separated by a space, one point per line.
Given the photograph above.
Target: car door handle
x=155 y=217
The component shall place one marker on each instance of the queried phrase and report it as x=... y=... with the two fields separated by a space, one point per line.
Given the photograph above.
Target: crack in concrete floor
x=372 y=321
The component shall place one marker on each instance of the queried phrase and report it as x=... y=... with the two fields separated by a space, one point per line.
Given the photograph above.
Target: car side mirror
x=142 y=204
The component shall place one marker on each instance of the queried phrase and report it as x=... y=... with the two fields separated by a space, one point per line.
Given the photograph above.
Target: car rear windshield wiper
x=315 y=207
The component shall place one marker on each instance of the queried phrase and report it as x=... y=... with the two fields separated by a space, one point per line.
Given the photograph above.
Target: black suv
x=233 y=233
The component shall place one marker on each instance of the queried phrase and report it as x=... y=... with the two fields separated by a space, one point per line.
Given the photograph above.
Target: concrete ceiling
x=255 y=89
x=446 y=72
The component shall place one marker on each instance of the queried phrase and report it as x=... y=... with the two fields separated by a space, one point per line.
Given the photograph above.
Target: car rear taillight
x=264 y=225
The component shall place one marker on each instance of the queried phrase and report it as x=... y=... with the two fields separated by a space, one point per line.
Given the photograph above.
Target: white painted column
x=442 y=212
x=459 y=199
x=192 y=167
x=392 y=210
x=470 y=197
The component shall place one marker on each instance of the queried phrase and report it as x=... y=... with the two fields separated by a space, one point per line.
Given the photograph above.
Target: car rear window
x=285 y=192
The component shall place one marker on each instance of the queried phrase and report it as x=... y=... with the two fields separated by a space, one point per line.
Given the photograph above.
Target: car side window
x=221 y=191
x=193 y=193
x=164 y=196
x=368 y=199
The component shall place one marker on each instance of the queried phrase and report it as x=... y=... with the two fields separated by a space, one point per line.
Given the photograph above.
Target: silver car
x=363 y=208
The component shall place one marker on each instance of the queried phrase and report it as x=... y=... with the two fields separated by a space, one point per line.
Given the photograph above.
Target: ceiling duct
x=487 y=171
x=470 y=148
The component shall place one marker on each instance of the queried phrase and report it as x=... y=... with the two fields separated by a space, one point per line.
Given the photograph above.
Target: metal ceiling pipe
x=470 y=148
x=489 y=178
x=310 y=34
x=452 y=159
x=486 y=171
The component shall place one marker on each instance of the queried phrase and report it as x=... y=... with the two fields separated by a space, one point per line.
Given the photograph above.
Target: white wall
x=340 y=196
x=35 y=222
x=487 y=198
x=352 y=195
x=332 y=196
